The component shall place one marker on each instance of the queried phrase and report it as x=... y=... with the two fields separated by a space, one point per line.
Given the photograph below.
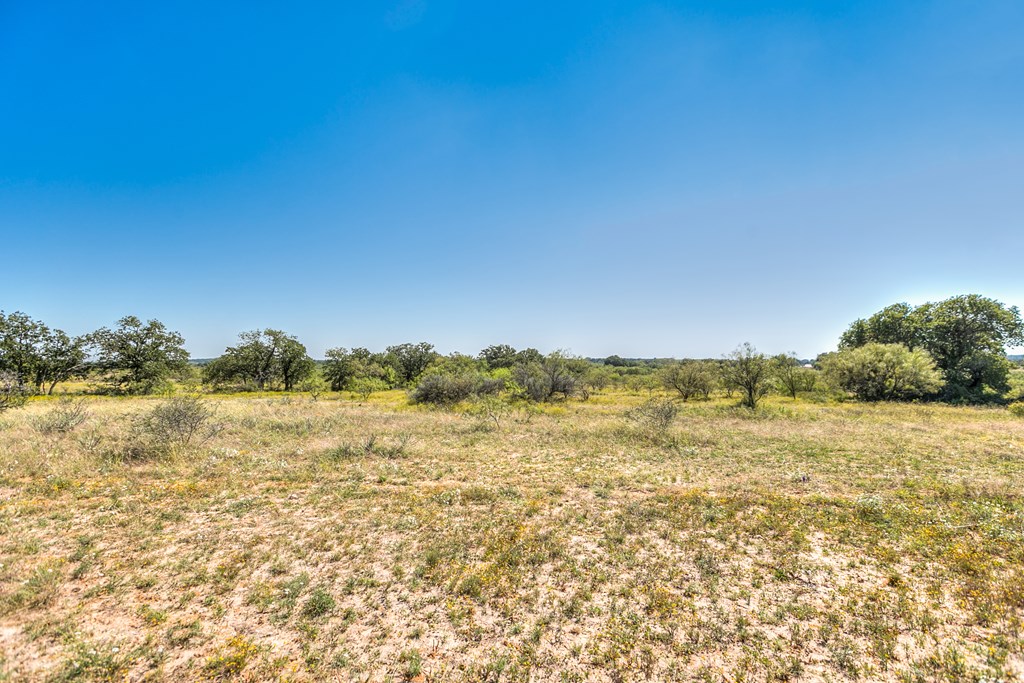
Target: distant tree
x=344 y=367
x=339 y=367
x=896 y=324
x=263 y=358
x=883 y=372
x=643 y=381
x=499 y=356
x=38 y=355
x=410 y=360
x=557 y=375
x=139 y=356
x=529 y=355
x=748 y=371
x=292 y=361
x=599 y=377
x=966 y=335
x=791 y=376
x=688 y=378
x=20 y=337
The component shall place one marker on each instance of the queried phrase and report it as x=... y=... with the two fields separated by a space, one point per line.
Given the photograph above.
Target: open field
x=335 y=540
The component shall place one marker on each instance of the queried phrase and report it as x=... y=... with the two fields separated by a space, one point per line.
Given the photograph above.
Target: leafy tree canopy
x=966 y=335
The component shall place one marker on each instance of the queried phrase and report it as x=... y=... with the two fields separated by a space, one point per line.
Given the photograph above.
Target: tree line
x=953 y=350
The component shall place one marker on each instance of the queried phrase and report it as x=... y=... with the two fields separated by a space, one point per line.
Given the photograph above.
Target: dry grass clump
x=288 y=539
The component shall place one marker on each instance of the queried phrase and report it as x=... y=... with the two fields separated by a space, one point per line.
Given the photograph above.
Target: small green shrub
x=1016 y=409
x=13 y=392
x=654 y=417
x=319 y=604
x=365 y=386
x=447 y=389
x=66 y=416
x=173 y=424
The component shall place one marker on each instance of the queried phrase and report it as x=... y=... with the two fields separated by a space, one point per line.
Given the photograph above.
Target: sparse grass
x=306 y=540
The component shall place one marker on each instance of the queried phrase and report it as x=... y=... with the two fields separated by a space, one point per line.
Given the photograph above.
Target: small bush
x=443 y=389
x=654 y=417
x=373 y=445
x=173 y=424
x=66 y=416
x=319 y=604
x=1016 y=409
x=365 y=386
x=13 y=392
x=446 y=389
x=555 y=376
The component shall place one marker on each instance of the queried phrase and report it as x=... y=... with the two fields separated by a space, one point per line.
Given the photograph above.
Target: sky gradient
x=646 y=179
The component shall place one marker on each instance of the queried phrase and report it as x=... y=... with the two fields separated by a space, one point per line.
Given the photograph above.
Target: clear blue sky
x=606 y=177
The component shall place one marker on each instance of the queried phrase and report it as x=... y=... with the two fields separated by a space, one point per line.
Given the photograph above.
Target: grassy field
x=338 y=540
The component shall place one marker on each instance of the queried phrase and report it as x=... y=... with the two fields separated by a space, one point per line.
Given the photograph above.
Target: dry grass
x=333 y=540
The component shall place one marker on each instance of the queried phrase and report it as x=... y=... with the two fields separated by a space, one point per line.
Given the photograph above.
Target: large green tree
x=264 y=359
x=966 y=335
x=411 y=360
x=344 y=367
x=37 y=355
x=138 y=356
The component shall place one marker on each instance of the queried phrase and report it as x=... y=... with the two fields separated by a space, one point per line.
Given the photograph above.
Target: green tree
x=264 y=359
x=61 y=358
x=966 y=335
x=599 y=377
x=20 y=337
x=883 y=372
x=139 y=356
x=12 y=391
x=688 y=378
x=897 y=324
x=791 y=376
x=557 y=375
x=293 y=363
x=37 y=355
x=748 y=371
x=343 y=367
x=498 y=356
x=410 y=360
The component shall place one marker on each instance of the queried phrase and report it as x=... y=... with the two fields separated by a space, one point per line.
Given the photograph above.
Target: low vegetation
x=625 y=537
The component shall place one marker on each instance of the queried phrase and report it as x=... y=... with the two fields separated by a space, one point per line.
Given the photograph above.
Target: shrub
x=315 y=386
x=883 y=372
x=791 y=377
x=13 y=392
x=175 y=423
x=689 y=378
x=654 y=417
x=441 y=389
x=319 y=604
x=555 y=376
x=64 y=417
x=364 y=386
x=1016 y=409
x=750 y=372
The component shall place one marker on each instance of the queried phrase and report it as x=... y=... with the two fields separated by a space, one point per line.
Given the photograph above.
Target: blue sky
x=606 y=177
